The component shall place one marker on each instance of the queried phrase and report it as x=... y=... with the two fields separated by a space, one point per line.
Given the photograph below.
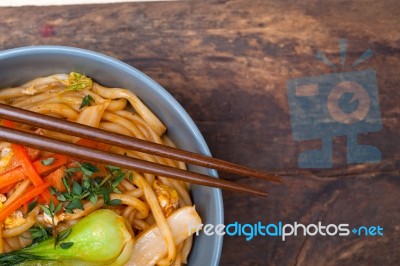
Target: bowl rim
x=54 y=49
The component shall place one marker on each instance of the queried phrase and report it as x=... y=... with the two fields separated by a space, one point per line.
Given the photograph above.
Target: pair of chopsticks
x=57 y=146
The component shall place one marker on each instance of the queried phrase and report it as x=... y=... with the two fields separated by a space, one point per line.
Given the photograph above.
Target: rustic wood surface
x=227 y=63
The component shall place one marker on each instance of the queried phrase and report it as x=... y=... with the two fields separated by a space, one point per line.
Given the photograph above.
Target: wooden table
x=227 y=63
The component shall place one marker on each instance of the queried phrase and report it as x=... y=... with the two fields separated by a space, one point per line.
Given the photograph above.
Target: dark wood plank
x=227 y=62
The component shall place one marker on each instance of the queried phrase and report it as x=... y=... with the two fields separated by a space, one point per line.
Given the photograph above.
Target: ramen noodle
x=78 y=188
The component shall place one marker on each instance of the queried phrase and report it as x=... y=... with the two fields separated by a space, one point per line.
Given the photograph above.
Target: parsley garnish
x=87 y=101
x=39 y=233
x=48 y=161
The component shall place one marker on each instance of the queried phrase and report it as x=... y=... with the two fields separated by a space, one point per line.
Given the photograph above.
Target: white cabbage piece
x=150 y=247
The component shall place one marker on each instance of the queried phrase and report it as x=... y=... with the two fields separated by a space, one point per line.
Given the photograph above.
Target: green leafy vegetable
x=87 y=101
x=77 y=82
x=101 y=238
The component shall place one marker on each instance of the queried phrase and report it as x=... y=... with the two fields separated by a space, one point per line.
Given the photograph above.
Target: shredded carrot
x=5 y=189
x=33 y=154
x=30 y=171
x=17 y=203
x=46 y=197
x=93 y=144
x=12 y=177
x=59 y=160
x=55 y=179
x=25 y=207
x=7 y=123
x=18 y=174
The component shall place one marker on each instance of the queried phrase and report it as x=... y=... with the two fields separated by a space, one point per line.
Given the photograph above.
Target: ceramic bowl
x=23 y=64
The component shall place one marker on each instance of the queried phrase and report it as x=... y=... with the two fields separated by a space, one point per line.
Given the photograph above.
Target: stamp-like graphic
x=338 y=104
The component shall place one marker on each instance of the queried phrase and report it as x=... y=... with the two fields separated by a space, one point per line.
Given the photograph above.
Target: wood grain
x=227 y=63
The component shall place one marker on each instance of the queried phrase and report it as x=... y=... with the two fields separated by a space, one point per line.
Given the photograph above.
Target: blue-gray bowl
x=23 y=64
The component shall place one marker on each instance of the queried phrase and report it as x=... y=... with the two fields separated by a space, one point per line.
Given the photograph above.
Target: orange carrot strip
x=12 y=177
x=14 y=162
x=17 y=203
x=18 y=173
x=93 y=144
x=54 y=199
x=59 y=160
x=25 y=207
x=55 y=179
x=30 y=171
x=7 y=123
x=46 y=196
x=4 y=190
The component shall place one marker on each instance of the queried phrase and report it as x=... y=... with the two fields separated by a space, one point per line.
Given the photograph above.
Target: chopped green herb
x=131 y=176
x=66 y=245
x=51 y=210
x=90 y=188
x=48 y=161
x=86 y=168
x=76 y=188
x=61 y=197
x=31 y=206
x=45 y=210
x=87 y=101
x=53 y=191
x=77 y=82
x=74 y=204
x=114 y=202
x=112 y=168
x=66 y=183
x=61 y=236
x=39 y=233
x=93 y=199
x=58 y=208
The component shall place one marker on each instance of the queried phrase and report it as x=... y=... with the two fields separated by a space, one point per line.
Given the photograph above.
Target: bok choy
x=101 y=238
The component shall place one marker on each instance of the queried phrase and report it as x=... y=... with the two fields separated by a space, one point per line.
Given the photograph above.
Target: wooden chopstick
x=83 y=131
x=93 y=155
